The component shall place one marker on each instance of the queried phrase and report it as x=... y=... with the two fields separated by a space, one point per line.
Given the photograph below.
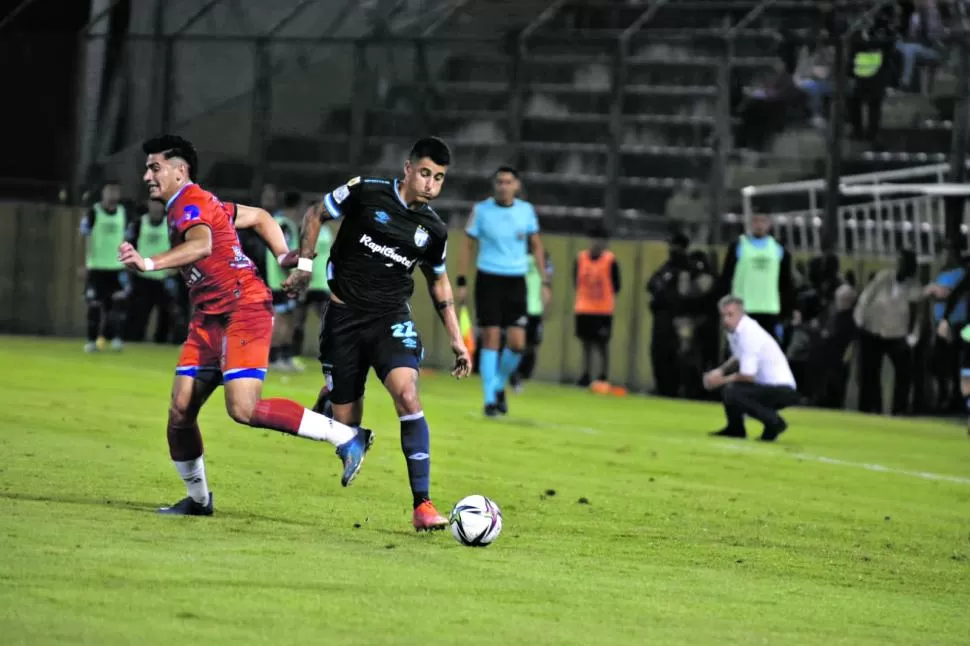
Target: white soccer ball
x=475 y=521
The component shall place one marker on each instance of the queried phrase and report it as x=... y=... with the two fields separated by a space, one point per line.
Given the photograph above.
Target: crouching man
x=757 y=380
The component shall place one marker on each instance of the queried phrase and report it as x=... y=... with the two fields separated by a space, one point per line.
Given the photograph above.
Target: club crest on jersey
x=381 y=217
x=421 y=237
x=189 y=214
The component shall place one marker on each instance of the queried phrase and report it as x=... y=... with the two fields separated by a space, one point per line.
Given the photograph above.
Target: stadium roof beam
x=288 y=18
x=16 y=12
x=198 y=15
x=86 y=29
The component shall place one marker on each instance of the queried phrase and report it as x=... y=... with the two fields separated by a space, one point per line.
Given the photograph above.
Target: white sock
x=320 y=427
x=193 y=473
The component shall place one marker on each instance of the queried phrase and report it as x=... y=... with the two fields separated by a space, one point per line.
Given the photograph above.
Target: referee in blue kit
x=506 y=231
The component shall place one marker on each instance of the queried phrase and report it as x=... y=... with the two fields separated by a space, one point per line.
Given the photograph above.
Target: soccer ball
x=475 y=521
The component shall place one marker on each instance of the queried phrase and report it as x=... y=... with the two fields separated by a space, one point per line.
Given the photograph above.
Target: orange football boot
x=427 y=518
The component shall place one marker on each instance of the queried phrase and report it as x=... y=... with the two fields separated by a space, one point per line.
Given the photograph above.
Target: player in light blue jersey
x=506 y=231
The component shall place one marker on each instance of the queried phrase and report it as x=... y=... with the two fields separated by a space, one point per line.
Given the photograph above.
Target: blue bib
x=503 y=236
x=949 y=279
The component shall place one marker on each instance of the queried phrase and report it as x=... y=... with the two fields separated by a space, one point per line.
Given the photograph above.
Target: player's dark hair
x=599 y=232
x=292 y=199
x=433 y=148
x=110 y=182
x=511 y=170
x=680 y=240
x=173 y=146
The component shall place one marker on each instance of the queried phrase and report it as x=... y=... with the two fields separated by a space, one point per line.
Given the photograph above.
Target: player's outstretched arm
x=250 y=217
x=465 y=260
x=197 y=245
x=298 y=280
x=439 y=288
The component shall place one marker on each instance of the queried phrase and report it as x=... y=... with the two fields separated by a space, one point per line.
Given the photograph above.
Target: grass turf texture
x=683 y=539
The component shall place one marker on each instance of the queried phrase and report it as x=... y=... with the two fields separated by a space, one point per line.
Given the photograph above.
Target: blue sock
x=508 y=364
x=488 y=369
x=416 y=445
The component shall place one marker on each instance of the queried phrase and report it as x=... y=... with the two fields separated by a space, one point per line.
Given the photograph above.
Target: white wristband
x=280 y=257
x=149 y=264
x=305 y=264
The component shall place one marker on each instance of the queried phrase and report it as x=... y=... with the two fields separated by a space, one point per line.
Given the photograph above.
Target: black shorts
x=101 y=285
x=500 y=301
x=282 y=303
x=594 y=327
x=351 y=343
x=533 y=331
x=316 y=297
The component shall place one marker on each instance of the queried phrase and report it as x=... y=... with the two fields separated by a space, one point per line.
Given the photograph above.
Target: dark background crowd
x=833 y=324
x=900 y=52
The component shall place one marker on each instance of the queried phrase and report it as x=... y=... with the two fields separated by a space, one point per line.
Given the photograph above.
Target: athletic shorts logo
x=521 y=321
x=421 y=237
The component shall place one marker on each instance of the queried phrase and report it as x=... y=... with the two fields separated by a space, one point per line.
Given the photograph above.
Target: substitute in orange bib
x=596 y=276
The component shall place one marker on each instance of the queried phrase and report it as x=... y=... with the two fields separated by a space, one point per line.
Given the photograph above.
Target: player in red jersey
x=232 y=325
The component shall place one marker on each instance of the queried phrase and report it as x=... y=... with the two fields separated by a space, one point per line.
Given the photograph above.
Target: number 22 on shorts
x=404 y=330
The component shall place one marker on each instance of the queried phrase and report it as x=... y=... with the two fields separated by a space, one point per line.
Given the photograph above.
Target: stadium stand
x=557 y=124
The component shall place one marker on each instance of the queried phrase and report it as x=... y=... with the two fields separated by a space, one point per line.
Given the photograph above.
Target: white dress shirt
x=759 y=355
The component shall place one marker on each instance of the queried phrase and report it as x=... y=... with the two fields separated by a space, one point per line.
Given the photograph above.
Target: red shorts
x=235 y=344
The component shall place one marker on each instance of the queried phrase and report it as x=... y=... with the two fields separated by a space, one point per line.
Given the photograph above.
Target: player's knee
x=730 y=393
x=179 y=413
x=406 y=400
x=241 y=412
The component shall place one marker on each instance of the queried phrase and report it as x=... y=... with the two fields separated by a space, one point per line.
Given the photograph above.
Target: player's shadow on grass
x=143 y=507
x=524 y=422
x=79 y=500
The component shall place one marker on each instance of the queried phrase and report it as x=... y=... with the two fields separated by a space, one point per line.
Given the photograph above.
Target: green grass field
x=849 y=530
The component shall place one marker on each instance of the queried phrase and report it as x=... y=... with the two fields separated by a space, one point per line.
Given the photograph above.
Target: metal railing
x=878 y=226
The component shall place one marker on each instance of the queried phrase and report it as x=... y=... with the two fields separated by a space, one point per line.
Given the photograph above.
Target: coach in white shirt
x=757 y=380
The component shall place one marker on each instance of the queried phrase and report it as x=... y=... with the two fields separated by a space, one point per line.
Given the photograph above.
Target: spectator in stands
x=923 y=402
x=701 y=305
x=758 y=269
x=959 y=294
x=814 y=362
x=664 y=288
x=806 y=334
x=837 y=337
x=151 y=290
x=888 y=325
x=596 y=276
x=814 y=78
x=764 y=109
x=850 y=279
x=921 y=43
x=870 y=57
x=945 y=362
